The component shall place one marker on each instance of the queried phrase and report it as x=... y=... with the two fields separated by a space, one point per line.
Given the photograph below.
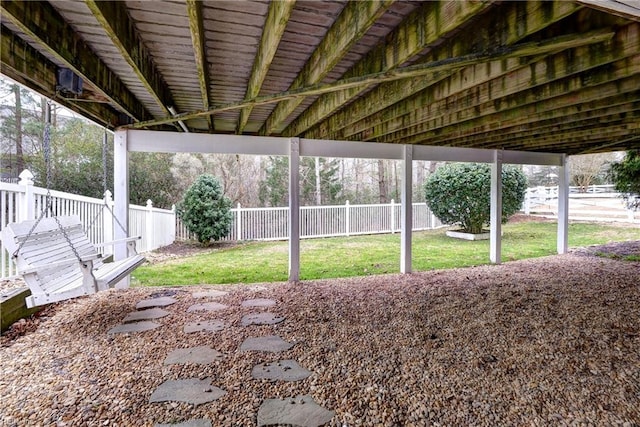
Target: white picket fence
x=321 y=221
x=24 y=201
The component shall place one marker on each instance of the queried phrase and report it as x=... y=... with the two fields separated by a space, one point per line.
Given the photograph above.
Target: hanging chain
x=49 y=201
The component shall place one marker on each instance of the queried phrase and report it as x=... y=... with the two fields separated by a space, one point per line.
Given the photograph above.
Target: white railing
x=321 y=221
x=24 y=201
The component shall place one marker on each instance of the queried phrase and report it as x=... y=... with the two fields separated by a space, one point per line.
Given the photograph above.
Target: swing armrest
x=115 y=242
x=59 y=264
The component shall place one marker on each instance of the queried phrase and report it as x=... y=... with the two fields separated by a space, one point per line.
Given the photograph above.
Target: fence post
x=107 y=222
x=149 y=243
x=239 y=223
x=347 y=218
x=26 y=204
x=393 y=217
x=174 y=228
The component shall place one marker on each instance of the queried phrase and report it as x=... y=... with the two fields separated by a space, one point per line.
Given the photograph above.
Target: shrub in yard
x=205 y=211
x=459 y=193
x=626 y=176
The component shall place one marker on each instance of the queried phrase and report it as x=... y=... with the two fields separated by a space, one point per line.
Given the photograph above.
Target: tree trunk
x=19 y=150
x=382 y=182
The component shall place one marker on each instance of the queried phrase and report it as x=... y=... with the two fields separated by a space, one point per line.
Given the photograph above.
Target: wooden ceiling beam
x=114 y=19
x=44 y=25
x=353 y=23
x=421 y=28
x=584 y=138
x=276 y=22
x=517 y=21
x=24 y=64
x=194 y=11
x=448 y=106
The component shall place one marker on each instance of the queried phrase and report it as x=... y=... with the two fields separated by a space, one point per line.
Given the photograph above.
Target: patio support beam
x=114 y=19
x=194 y=10
x=421 y=28
x=27 y=66
x=518 y=20
x=353 y=23
x=121 y=196
x=44 y=25
x=495 y=244
x=563 y=206
x=277 y=19
x=406 y=209
x=294 y=209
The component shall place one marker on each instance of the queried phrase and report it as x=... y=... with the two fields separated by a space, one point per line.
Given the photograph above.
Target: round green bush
x=205 y=211
x=459 y=193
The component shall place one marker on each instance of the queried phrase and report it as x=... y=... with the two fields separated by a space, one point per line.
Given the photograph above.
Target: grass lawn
x=362 y=255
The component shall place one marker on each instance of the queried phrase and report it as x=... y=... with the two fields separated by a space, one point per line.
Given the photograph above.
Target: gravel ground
x=549 y=341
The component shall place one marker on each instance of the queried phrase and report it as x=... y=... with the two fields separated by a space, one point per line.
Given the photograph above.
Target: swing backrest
x=46 y=245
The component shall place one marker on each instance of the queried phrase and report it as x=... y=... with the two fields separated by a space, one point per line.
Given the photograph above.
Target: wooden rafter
x=353 y=23
x=114 y=19
x=25 y=65
x=516 y=22
x=456 y=99
x=42 y=23
x=194 y=11
x=276 y=23
x=423 y=27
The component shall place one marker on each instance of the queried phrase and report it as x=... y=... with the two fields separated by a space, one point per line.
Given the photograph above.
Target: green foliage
x=150 y=178
x=205 y=211
x=626 y=176
x=459 y=193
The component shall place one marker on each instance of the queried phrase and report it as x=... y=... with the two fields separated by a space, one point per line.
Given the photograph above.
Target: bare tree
x=585 y=169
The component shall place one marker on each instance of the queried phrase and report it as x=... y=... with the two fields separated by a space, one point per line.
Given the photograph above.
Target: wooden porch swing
x=56 y=258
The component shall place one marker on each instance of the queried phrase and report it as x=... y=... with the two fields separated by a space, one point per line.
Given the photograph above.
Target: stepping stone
x=265 y=318
x=270 y=343
x=156 y=302
x=201 y=355
x=258 y=302
x=205 y=325
x=203 y=422
x=207 y=306
x=193 y=391
x=209 y=294
x=285 y=370
x=299 y=411
x=150 y=314
x=133 y=327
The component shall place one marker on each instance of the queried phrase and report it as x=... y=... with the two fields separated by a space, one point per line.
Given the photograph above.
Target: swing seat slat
x=50 y=267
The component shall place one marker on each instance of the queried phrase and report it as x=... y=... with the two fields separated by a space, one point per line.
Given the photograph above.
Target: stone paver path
x=207 y=306
x=300 y=411
x=258 y=302
x=209 y=294
x=156 y=302
x=134 y=327
x=201 y=355
x=270 y=343
x=193 y=390
x=284 y=370
x=202 y=422
x=149 y=314
x=264 y=318
x=204 y=325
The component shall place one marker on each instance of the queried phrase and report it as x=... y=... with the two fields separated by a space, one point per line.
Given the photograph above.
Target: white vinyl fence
x=24 y=201
x=321 y=221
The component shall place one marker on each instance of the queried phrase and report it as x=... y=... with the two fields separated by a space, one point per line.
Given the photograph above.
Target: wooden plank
x=624 y=9
x=421 y=28
x=353 y=23
x=194 y=11
x=115 y=21
x=514 y=22
x=41 y=22
x=24 y=64
x=276 y=22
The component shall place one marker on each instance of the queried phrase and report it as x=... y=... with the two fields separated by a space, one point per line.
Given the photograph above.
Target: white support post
x=563 y=206
x=406 y=209
x=26 y=200
x=495 y=252
x=294 y=210
x=347 y=218
x=149 y=231
x=107 y=222
x=121 y=196
x=239 y=223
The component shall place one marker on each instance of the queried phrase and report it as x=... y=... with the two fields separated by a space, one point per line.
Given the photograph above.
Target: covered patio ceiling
x=554 y=76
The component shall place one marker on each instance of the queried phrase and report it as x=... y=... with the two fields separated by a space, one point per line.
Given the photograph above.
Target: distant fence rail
x=321 y=221
x=24 y=201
